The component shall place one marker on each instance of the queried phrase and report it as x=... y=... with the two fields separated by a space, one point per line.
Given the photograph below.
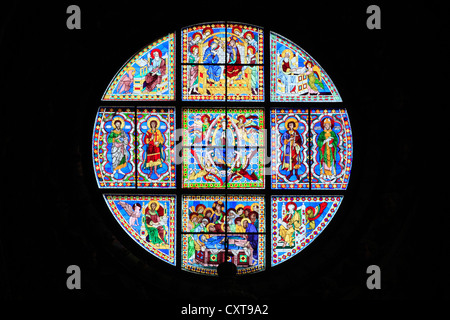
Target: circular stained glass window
x=216 y=146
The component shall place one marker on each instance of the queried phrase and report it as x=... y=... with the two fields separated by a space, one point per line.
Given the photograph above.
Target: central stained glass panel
x=223 y=148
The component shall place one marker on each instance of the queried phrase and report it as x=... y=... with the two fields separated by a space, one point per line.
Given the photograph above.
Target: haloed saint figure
x=156 y=71
x=154 y=141
x=119 y=140
x=291 y=142
x=328 y=145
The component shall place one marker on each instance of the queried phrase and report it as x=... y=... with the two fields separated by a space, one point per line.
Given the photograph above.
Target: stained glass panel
x=200 y=126
x=210 y=127
x=156 y=147
x=296 y=76
x=205 y=219
x=202 y=253
x=113 y=148
x=220 y=62
x=232 y=152
x=289 y=136
x=148 y=75
x=297 y=221
x=197 y=40
x=204 y=167
x=246 y=208
x=220 y=212
x=250 y=41
x=332 y=149
x=248 y=85
x=148 y=220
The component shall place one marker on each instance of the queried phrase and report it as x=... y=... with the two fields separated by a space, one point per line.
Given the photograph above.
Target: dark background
x=53 y=215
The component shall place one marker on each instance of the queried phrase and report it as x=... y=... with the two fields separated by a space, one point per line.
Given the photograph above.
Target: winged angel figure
x=133 y=211
x=239 y=167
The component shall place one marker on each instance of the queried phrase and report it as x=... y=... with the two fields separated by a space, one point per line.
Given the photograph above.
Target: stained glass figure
x=223 y=62
x=148 y=75
x=113 y=148
x=297 y=221
x=220 y=228
x=296 y=76
x=148 y=220
x=232 y=148
x=156 y=147
x=289 y=136
x=332 y=149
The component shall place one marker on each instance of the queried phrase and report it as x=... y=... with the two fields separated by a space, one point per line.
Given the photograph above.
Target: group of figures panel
x=223 y=62
x=219 y=228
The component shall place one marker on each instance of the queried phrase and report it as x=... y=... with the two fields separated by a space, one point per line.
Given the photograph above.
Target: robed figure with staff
x=291 y=145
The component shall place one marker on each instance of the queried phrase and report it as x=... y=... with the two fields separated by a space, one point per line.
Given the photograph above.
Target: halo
x=245 y=219
x=192 y=215
x=253 y=205
x=241 y=116
x=290 y=119
x=193 y=47
x=249 y=33
x=291 y=54
x=206 y=116
x=211 y=31
x=149 y=206
x=149 y=121
x=213 y=39
x=240 y=205
x=199 y=206
x=322 y=121
x=196 y=35
x=207 y=210
x=236 y=28
x=289 y=203
x=117 y=118
x=155 y=50
x=308 y=62
x=253 y=212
